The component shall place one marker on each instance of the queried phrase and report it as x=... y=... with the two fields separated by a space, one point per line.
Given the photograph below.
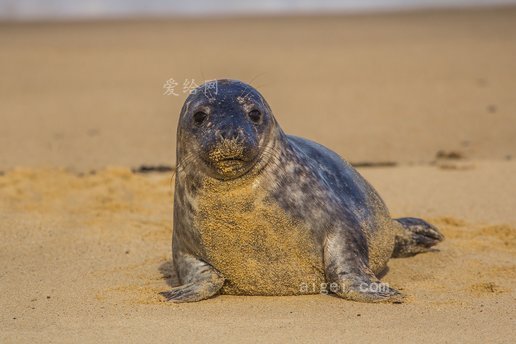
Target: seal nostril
x=229 y=134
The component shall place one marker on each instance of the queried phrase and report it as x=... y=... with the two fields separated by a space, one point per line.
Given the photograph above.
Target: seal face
x=225 y=134
x=259 y=212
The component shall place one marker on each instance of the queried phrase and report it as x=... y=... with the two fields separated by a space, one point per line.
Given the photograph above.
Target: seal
x=259 y=212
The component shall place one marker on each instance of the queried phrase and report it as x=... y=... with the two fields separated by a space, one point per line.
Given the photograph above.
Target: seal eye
x=199 y=117
x=255 y=116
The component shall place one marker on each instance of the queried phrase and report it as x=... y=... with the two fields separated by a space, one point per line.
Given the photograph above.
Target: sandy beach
x=424 y=103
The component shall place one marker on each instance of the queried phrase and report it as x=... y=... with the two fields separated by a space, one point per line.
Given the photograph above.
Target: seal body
x=259 y=212
x=276 y=252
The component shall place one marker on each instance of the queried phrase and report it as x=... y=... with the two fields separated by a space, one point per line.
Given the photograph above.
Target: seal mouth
x=230 y=167
x=232 y=160
x=230 y=163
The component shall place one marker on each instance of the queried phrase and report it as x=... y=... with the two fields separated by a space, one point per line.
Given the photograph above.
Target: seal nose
x=230 y=133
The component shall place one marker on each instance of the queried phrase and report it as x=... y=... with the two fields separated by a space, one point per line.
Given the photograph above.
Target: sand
x=85 y=247
x=88 y=95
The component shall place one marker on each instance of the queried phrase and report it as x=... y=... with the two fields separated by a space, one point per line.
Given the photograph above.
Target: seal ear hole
x=255 y=116
x=199 y=117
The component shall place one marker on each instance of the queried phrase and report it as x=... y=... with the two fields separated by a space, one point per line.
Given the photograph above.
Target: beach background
x=422 y=99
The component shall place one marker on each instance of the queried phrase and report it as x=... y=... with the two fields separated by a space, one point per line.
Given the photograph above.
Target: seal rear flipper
x=417 y=236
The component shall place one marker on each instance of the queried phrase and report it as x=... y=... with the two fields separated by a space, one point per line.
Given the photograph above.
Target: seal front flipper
x=417 y=236
x=204 y=287
x=363 y=287
x=346 y=265
x=200 y=280
x=192 y=292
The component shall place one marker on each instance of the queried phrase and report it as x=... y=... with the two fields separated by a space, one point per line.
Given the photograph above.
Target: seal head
x=224 y=133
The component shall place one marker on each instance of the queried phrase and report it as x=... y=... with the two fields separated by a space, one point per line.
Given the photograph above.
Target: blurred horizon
x=27 y=10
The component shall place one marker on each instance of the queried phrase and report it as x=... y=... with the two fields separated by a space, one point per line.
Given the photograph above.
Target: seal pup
x=259 y=212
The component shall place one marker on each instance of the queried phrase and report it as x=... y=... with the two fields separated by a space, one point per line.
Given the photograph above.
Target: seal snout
x=230 y=133
x=227 y=150
x=233 y=152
